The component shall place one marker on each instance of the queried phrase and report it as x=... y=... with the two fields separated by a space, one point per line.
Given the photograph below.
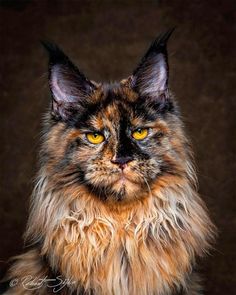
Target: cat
x=115 y=209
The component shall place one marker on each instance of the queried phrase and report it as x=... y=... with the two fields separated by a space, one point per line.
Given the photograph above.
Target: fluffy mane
x=123 y=216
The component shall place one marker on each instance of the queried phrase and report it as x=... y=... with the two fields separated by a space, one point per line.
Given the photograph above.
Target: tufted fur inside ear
x=69 y=87
x=151 y=76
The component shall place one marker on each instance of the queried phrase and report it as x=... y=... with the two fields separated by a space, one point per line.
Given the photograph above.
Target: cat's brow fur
x=139 y=239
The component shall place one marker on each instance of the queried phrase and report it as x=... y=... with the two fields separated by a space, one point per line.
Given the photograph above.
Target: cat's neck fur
x=109 y=247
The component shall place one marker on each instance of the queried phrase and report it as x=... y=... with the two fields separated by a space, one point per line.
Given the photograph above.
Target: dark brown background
x=107 y=38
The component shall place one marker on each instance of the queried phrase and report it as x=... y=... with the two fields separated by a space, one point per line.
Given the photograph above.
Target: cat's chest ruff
x=113 y=252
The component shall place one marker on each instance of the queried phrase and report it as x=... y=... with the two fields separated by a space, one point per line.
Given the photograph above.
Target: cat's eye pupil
x=140 y=133
x=95 y=137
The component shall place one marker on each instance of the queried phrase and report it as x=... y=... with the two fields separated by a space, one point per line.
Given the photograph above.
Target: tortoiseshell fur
x=135 y=231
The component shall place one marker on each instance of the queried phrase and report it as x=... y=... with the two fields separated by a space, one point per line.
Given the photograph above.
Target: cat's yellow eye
x=95 y=137
x=140 y=133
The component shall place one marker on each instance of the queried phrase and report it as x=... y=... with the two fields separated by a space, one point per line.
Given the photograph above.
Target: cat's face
x=114 y=139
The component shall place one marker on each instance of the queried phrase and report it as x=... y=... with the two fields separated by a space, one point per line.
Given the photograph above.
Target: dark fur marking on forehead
x=148 y=108
x=151 y=109
x=89 y=109
x=81 y=117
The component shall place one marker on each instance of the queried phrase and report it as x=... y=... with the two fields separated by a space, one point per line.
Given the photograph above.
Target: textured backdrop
x=106 y=39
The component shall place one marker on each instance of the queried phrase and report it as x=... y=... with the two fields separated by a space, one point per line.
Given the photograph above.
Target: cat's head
x=116 y=140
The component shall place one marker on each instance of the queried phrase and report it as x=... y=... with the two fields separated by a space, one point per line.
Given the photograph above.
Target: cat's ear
x=69 y=87
x=151 y=76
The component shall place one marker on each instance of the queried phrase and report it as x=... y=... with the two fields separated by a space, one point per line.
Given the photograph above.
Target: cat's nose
x=122 y=161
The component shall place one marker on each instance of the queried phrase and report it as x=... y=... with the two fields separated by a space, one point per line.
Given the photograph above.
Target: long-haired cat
x=115 y=210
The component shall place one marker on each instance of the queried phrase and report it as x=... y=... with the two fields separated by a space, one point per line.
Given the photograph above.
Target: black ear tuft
x=151 y=75
x=160 y=43
x=69 y=86
x=56 y=55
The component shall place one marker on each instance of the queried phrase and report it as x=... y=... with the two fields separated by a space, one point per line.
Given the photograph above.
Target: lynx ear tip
x=163 y=38
x=170 y=32
x=49 y=46
x=54 y=52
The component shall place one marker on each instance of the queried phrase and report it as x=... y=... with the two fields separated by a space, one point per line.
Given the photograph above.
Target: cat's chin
x=121 y=190
x=121 y=186
x=129 y=193
x=125 y=188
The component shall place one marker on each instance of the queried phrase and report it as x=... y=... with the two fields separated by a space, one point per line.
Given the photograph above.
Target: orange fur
x=140 y=237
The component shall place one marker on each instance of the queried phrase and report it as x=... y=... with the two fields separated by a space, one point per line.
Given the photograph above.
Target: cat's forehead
x=111 y=105
x=115 y=104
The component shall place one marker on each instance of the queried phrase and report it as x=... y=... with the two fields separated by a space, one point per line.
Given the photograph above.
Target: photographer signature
x=34 y=283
